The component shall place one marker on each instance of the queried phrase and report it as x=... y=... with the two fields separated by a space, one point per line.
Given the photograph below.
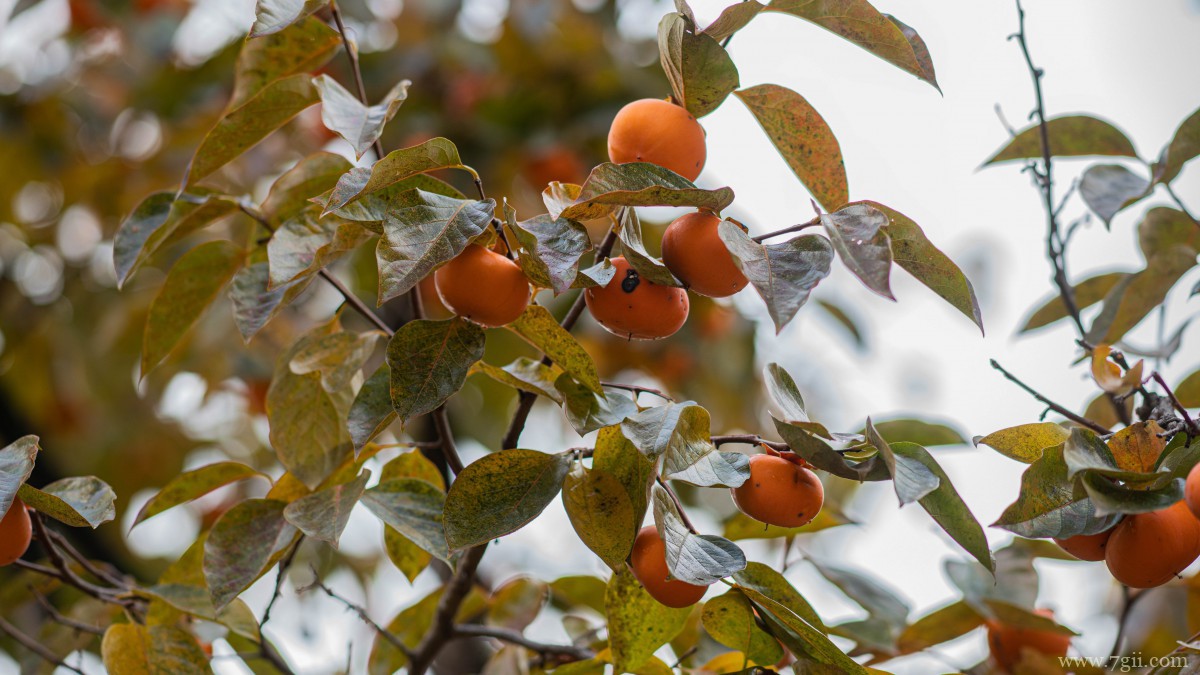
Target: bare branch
x=572 y=652
x=362 y=614
x=1076 y=418
x=35 y=646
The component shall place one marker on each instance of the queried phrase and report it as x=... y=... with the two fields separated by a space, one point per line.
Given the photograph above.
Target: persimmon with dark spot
x=649 y=564
x=694 y=252
x=637 y=308
x=1149 y=549
x=1006 y=642
x=659 y=132
x=1090 y=547
x=779 y=492
x=16 y=531
x=483 y=286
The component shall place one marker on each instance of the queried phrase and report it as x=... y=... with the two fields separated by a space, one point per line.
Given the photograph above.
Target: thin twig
x=787 y=230
x=66 y=573
x=1179 y=202
x=355 y=302
x=749 y=439
x=35 y=646
x=352 y=56
x=441 y=422
x=279 y=580
x=1078 y=419
x=1128 y=600
x=678 y=504
x=574 y=653
x=59 y=617
x=86 y=564
x=362 y=614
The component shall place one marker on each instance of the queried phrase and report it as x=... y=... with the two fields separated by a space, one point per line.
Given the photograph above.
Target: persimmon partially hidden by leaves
x=1149 y=549
x=1191 y=491
x=693 y=252
x=16 y=531
x=1090 y=547
x=1007 y=642
x=637 y=308
x=483 y=286
x=659 y=132
x=649 y=564
x=779 y=492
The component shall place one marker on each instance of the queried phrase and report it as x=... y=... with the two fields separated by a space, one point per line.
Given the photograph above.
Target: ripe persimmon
x=637 y=308
x=483 y=286
x=1090 y=547
x=659 y=132
x=1149 y=549
x=694 y=252
x=779 y=492
x=649 y=563
x=1191 y=490
x=16 y=531
x=1006 y=642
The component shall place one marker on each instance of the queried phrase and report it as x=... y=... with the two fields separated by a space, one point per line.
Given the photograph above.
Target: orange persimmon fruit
x=1149 y=549
x=659 y=132
x=637 y=308
x=483 y=286
x=16 y=531
x=779 y=492
x=1006 y=642
x=1191 y=490
x=694 y=252
x=1090 y=547
x=649 y=564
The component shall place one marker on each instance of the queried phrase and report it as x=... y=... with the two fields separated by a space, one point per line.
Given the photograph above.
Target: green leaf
x=1049 y=505
x=243 y=544
x=1111 y=498
x=730 y=620
x=537 y=326
x=194 y=484
x=636 y=184
x=430 y=361
x=699 y=69
x=921 y=432
x=524 y=374
x=911 y=476
x=417 y=239
x=920 y=51
x=1126 y=306
x=783 y=274
x=243 y=127
x=255 y=303
x=337 y=357
x=78 y=501
x=308 y=430
x=858 y=235
x=1163 y=229
x=130 y=240
x=637 y=623
x=765 y=580
x=300 y=49
x=190 y=287
x=372 y=411
x=272 y=16
x=588 y=411
x=309 y=178
x=517 y=603
x=413 y=507
x=947 y=508
x=649 y=267
x=733 y=18
x=162 y=218
x=601 y=513
x=1184 y=146
x=306 y=243
x=802 y=137
x=1188 y=391
x=859 y=22
x=396 y=166
x=914 y=253
x=879 y=600
x=941 y=625
x=619 y=458
x=1025 y=442
x=550 y=249
x=800 y=637
x=324 y=514
x=1087 y=293
x=739 y=526
x=372 y=209
x=499 y=493
x=1109 y=188
x=699 y=559
x=16 y=465
x=1070 y=136
x=818 y=453
x=134 y=649
x=691 y=457
x=350 y=118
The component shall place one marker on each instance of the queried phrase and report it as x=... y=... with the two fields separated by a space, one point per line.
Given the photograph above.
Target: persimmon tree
x=508 y=291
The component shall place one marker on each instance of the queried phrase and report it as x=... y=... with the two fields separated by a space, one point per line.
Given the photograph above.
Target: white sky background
x=916 y=151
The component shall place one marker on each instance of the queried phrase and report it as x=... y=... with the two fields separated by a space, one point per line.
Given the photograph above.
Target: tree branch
x=362 y=614
x=675 y=499
x=572 y=652
x=787 y=230
x=455 y=592
x=35 y=646
x=749 y=439
x=1078 y=419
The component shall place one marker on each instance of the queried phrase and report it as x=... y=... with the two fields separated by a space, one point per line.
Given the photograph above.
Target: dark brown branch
x=59 y=617
x=1078 y=419
x=787 y=230
x=88 y=566
x=362 y=615
x=352 y=56
x=65 y=573
x=35 y=646
x=1179 y=202
x=572 y=652
x=355 y=302
x=455 y=592
x=441 y=422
